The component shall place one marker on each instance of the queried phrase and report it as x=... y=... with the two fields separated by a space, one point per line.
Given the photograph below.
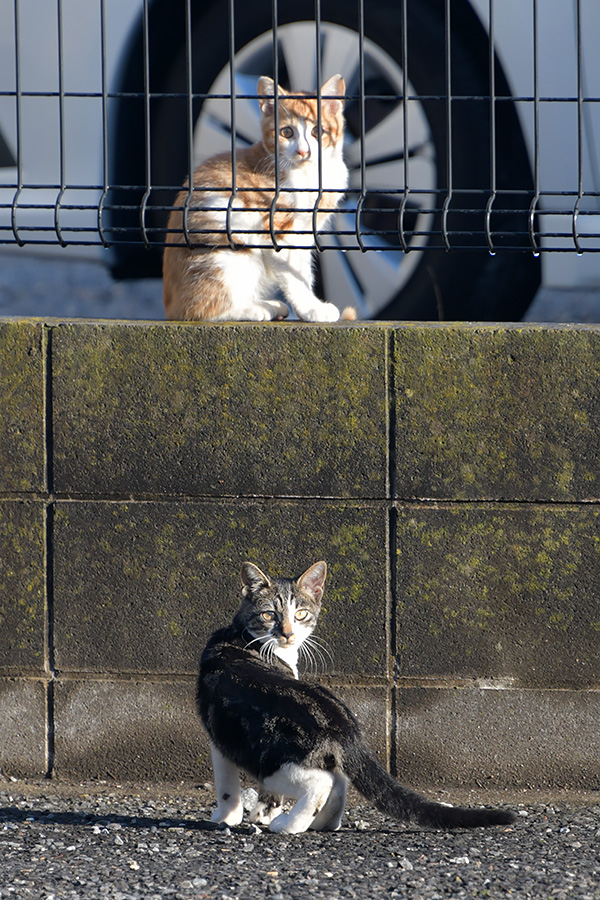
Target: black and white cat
x=294 y=737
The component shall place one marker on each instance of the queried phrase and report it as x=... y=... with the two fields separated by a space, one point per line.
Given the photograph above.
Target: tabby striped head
x=283 y=611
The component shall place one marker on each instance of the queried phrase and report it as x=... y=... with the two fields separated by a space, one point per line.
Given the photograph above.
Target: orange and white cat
x=220 y=262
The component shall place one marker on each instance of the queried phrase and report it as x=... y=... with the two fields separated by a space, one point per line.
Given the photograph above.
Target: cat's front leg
x=294 y=271
x=230 y=810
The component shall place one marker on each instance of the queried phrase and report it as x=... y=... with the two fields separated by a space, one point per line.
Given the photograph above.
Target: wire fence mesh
x=470 y=124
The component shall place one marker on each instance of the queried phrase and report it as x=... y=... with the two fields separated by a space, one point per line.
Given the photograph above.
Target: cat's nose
x=303 y=152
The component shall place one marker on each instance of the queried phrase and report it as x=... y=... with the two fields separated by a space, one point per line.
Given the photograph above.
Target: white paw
x=285 y=824
x=228 y=815
x=324 y=312
x=275 y=309
x=263 y=814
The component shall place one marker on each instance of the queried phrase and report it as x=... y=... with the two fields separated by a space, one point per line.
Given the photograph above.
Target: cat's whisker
x=314 y=655
x=317 y=639
x=318 y=661
x=321 y=650
x=254 y=640
x=267 y=649
x=307 y=657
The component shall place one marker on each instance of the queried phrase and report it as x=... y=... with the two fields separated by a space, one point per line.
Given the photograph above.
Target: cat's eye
x=287 y=131
x=267 y=616
x=301 y=615
x=315 y=132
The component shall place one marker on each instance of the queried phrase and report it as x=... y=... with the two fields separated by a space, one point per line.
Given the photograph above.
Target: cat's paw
x=228 y=815
x=262 y=814
x=286 y=824
x=324 y=312
x=275 y=310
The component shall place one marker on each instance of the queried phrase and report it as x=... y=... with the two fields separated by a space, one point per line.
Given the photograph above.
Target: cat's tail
x=348 y=314
x=388 y=795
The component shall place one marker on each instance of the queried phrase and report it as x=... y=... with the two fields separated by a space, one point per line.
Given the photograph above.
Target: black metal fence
x=470 y=125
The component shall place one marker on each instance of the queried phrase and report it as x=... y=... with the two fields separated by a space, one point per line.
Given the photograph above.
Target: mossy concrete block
x=504 y=739
x=497 y=412
x=139 y=587
x=270 y=410
x=136 y=730
x=22 y=412
x=23 y=731
x=505 y=592
x=22 y=585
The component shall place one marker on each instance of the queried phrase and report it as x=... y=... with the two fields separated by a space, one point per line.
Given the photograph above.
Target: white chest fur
x=289 y=655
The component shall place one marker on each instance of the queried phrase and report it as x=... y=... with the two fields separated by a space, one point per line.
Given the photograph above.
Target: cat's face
x=282 y=612
x=298 y=135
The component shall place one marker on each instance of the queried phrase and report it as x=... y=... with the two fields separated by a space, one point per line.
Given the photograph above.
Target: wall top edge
x=515 y=327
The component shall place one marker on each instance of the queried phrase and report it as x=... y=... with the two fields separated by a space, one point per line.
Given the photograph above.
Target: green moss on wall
x=22 y=422
x=494 y=412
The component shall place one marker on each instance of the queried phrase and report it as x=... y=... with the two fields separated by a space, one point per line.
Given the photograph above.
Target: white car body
x=78 y=178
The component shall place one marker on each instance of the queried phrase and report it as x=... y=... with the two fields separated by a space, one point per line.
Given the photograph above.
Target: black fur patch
x=270 y=717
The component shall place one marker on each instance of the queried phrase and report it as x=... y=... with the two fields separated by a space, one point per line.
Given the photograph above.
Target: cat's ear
x=266 y=86
x=332 y=94
x=253 y=578
x=313 y=580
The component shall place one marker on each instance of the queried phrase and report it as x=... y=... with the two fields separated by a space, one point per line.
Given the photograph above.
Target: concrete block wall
x=449 y=475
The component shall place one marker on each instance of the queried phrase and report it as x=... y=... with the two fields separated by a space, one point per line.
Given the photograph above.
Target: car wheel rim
x=369 y=280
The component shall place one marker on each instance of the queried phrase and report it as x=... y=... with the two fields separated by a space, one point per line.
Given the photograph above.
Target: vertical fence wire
x=233 y=122
x=275 y=27
x=449 y=174
x=492 y=83
x=189 y=97
x=104 y=83
x=318 y=73
x=19 y=119
x=577 y=206
x=536 y=136
x=61 y=124
x=405 y=152
x=147 y=139
x=362 y=129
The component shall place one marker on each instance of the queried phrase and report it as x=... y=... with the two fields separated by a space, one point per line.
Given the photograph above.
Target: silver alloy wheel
x=372 y=278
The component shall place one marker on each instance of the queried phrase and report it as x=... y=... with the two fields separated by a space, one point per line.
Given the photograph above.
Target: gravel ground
x=70 y=286
x=149 y=842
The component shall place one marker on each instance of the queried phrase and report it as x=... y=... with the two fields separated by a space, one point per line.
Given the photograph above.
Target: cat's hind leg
x=330 y=817
x=229 y=809
x=309 y=787
x=268 y=806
